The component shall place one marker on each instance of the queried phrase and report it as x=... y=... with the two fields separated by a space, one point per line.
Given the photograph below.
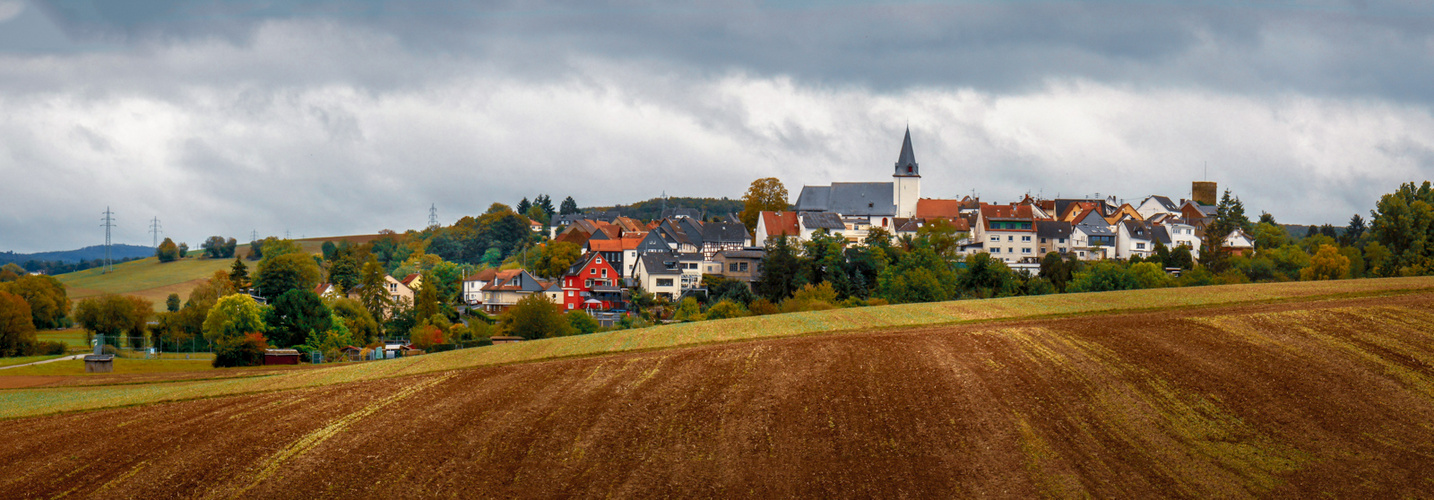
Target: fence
x=145 y=347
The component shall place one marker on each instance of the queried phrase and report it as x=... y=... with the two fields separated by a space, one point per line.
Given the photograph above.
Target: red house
x=591 y=278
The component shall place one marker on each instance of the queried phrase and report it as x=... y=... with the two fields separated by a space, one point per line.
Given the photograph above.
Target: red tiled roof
x=929 y=208
x=484 y=275
x=409 y=279
x=1006 y=212
x=781 y=223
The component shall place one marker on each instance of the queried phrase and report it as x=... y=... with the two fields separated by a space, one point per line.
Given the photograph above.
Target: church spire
x=906 y=163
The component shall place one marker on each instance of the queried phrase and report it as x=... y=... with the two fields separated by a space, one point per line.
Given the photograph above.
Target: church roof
x=814 y=198
x=907 y=158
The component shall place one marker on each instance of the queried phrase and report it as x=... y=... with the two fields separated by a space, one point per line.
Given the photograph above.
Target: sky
x=320 y=118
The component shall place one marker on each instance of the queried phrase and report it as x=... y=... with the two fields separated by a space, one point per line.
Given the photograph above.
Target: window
x=664 y=282
x=1026 y=250
x=588 y=284
x=570 y=306
x=1082 y=254
x=995 y=250
x=1010 y=238
x=1043 y=241
x=604 y=273
x=732 y=267
x=599 y=260
x=1140 y=246
x=1062 y=241
x=592 y=271
x=742 y=266
x=1025 y=238
x=995 y=238
x=570 y=293
x=1010 y=250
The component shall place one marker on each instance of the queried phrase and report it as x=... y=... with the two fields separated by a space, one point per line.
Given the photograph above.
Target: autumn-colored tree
x=372 y=292
x=360 y=323
x=233 y=317
x=1326 y=264
x=290 y=271
x=764 y=195
x=11 y=272
x=49 y=303
x=115 y=316
x=167 y=251
x=17 y=332
x=557 y=257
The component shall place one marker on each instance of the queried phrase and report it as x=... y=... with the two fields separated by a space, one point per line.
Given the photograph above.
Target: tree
x=215 y=247
x=1402 y=222
x=372 y=292
x=344 y=269
x=569 y=206
x=229 y=247
x=920 y=276
x=425 y=301
x=582 y=323
x=1103 y=276
x=534 y=317
x=276 y=247
x=295 y=316
x=49 y=303
x=524 y=205
x=1229 y=217
x=114 y=316
x=167 y=251
x=11 y=272
x=239 y=275
x=1266 y=218
x=726 y=309
x=183 y=250
x=1150 y=275
x=1326 y=264
x=361 y=324
x=285 y=272
x=17 y=331
x=780 y=268
x=546 y=203
x=689 y=310
x=1268 y=235
x=1354 y=231
x=328 y=249
x=232 y=318
x=242 y=350
x=1054 y=269
x=1180 y=257
x=171 y=303
x=764 y=195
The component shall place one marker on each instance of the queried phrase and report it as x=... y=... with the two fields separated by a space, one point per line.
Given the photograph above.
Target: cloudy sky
x=334 y=117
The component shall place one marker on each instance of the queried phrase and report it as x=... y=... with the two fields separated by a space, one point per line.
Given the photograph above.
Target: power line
x=154 y=229
x=109 y=223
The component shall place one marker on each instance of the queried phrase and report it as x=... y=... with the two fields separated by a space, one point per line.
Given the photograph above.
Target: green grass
x=73 y=337
x=24 y=359
x=121 y=366
x=29 y=402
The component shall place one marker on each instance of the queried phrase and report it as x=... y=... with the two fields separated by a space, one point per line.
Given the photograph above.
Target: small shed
x=351 y=353
x=505 y=340
x=281 y=357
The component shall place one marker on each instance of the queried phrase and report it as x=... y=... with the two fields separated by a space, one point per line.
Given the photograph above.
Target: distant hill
x=117 y=252
x=652 y=209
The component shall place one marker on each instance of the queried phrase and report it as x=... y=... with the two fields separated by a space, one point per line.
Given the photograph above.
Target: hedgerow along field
x=150 y=279
x=30 y=403
x=1277 y=391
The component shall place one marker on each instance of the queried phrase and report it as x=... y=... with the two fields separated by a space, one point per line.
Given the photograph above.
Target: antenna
x=433 y=215
x=109 y=223
x=154 y=229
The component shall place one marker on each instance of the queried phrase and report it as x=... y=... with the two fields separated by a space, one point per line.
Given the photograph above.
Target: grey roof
x=1138 y=230
x=690 y=257
x=742 y=254
x=822 y=220
x=907 y=158
x=653 y=242
x=1053 y=229
x=814 y=199
x=861 y=198
x=1100 y=221
x=681 y=212
x=1165 y=202
x=724 y=232
x=1162 y=235
x=660 y=263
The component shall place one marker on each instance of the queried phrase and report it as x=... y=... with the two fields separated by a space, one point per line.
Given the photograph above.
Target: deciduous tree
x=49 y=303
x=233 y=317
x=17 y=331
x=764 y=195
x=167 y=251
x=290 y=271
x=1326 y=264
x=534 y=317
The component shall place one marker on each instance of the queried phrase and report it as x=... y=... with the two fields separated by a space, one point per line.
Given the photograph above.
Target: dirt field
x=1293 y=399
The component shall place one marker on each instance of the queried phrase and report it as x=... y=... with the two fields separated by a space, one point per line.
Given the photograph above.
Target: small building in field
x=281 y=357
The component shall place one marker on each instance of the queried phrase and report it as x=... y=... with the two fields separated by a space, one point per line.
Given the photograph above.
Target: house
x=814 y=221
x=509 y=287
x=1123 y=213
x=1094 y=238
x=741 y=265
x=773 y=224
x=328 y=291
x=621 y=253
x=1182 y=234
x=1154 y=205
x=724 y=235
x=1054 y=236
x=877 y=202
x=1008 y=232
x=401 y=291
x=1238 y=243
x=1136 y=239
x=590 y=273
x=473 y=286
x=659 y=274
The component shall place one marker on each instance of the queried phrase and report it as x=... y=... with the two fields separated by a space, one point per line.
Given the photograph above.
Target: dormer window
x=908 y=169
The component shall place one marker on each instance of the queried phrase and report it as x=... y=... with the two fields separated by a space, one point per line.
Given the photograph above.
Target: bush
x=49 y=348
x=247 y=350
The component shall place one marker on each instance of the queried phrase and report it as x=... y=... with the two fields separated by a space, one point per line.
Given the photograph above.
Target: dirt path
x=62 y=358
x=1293 y=400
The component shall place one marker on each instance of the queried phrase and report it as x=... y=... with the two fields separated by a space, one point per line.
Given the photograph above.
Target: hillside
x=1297 y=389
x=117 y=252
x=150 y=279
x=652 y=209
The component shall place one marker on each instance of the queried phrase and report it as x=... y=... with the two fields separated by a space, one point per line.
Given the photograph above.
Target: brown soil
x=1307 y=399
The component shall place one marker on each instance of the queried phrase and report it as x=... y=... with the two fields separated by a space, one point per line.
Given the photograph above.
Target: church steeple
x=906 y=163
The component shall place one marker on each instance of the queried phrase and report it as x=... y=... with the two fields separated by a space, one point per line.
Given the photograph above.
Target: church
x=869 y=203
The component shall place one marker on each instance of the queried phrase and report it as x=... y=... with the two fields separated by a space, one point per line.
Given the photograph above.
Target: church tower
x=906 y=182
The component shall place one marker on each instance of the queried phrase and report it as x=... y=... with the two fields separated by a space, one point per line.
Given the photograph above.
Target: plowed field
x=1299 y=399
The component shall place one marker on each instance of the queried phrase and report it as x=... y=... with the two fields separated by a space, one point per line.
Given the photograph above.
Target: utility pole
x=109 y=223
x=286 y=234
x=154 y=230
x=433 y=215
x=254 y=235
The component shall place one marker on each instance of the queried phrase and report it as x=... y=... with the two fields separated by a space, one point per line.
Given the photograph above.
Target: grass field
x=150 y=279
x=22 y=360
x=1292 y=391
x=30 y=403
x=121 y=366
x=73 y=337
